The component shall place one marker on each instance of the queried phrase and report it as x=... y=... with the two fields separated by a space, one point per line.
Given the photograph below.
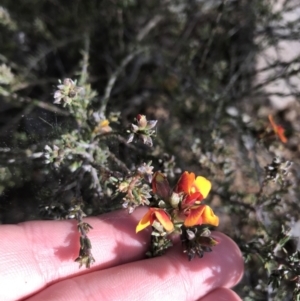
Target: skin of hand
x=37 y=263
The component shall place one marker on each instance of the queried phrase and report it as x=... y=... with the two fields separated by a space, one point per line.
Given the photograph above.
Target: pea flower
x=180 y=210
x=155 y=214
x=189 y=192
x=194 y=190
x=102 y=127
x=278 y=130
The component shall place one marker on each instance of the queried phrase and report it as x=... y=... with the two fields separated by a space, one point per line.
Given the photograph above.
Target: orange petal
x=146 y=221
x=202 y=185
x=185 y=182
x=280 y=133
x=274 y=125
x=164 y=219
x=278 y=130
x=195 y=216
x=209 y=218
x=191 y=199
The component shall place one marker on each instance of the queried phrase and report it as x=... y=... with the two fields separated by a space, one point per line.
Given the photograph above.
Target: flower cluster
x=277 y=170
x=54 y=155
x=144 y=129
x=67 y=91
x=136 y=192
x=180 y=210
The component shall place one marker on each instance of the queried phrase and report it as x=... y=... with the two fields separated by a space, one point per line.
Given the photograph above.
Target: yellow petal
x=164 y=219
x=104 y=123
x=144 y=222
x=203 y=185
x=209 y=218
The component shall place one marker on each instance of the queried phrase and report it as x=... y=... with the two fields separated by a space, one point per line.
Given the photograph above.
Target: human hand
x=37 y=263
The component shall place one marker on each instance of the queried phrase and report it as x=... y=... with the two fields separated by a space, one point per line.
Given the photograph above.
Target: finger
x=221 y=294
x=34 y=254
x=170 y=277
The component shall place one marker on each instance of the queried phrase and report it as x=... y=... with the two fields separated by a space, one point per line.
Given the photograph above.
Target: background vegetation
x=196 y=67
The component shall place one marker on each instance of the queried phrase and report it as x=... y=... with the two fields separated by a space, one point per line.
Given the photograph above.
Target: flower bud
x=160 y=185
x=175 y=199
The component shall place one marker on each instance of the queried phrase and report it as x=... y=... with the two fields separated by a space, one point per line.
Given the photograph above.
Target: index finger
x=38 y=253
x=170 y=278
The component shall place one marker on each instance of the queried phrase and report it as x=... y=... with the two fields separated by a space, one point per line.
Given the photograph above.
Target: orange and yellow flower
x=200 y=215
x=278 y=130
x=155 y=214
x=195 y=190
x=189 y=191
